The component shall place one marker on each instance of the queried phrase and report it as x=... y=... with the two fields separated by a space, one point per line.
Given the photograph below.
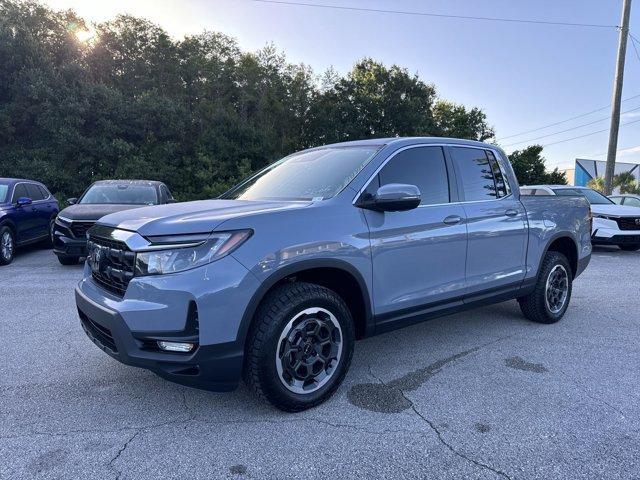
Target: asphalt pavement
x=482 y=394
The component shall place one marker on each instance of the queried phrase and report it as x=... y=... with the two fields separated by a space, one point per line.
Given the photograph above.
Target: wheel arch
x=565 y=244
x=337 y=275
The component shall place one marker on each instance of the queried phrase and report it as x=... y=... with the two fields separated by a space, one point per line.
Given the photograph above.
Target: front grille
x=79 y=229
x=101 y=335
x=629 y=223
x=111 y=262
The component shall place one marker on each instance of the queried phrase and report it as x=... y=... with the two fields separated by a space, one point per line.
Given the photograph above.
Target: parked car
x=101 y=198
x=277 y=278
x=627 y=200
x=612 y=224
x=27 y=211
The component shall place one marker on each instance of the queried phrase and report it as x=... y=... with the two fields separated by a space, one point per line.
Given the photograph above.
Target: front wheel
x=629 y=248
x=550 y=299
x=300 y=346
x=7 y=245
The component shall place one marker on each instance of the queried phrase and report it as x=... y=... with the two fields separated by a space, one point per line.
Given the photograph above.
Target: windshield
x=594 y=198
x=311 y=175
x=4 y=189
x=124 y=194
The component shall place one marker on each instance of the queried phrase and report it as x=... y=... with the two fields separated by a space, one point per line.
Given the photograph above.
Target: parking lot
x=483 y=394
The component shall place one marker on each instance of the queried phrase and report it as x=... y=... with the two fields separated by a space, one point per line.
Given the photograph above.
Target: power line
x=568 y=129
x=436 y=15
x=564 y=121
x=587 y=134
x=635 y=48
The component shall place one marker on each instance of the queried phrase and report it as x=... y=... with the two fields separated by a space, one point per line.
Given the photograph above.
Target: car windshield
x=311 y=175
x=4 y=189
x=124 y=194
x=594 y=198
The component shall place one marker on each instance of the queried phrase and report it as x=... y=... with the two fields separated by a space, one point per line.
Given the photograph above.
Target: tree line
x=197 y=113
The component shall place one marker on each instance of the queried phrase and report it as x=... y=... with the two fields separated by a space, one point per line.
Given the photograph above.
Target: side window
x=44 y=191
x=542 y=192
x=424 y=167
x=527 y=191
x=502 y=183
x=476 y=173
x=632 y=202
x=33 y=192
x=166 y=194
x=19 y=191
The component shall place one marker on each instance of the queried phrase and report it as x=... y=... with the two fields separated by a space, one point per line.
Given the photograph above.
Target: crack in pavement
x=592 y=397
x=407 y=382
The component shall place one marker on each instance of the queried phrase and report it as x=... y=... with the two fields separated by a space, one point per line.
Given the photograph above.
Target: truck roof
x=410 y=141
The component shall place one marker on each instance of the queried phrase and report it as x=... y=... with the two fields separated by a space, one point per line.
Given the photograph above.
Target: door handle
x=452 y=220
x=511 y=212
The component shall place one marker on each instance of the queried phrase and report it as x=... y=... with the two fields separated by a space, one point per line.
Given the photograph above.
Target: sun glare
x=85 y=35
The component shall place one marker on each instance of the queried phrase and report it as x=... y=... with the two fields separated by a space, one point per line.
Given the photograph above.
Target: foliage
x=197 y=113
x=597 y=184
x=529 y=168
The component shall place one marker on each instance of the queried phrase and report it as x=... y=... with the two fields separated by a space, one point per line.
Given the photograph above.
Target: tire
x=64 y=260
x=629 y=248
x=536 y=306
x=7 y=245
x=48 y=242
x=287 y=314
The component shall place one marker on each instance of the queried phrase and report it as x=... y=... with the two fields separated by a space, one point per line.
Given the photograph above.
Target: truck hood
x=190 y=217
x=616 y=210
x=89 y=211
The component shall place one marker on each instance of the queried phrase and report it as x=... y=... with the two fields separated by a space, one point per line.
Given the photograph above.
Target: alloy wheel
x=6 y=245
x=557 y=289
x=309 y=349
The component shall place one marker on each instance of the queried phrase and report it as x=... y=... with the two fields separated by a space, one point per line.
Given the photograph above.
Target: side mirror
x=393 y=197
x=72 y=200
x=22 y=201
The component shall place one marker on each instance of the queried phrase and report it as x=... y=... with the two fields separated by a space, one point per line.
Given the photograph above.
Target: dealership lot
x=482 y=394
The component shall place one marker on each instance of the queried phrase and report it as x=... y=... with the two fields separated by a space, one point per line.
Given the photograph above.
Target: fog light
x=176 y=346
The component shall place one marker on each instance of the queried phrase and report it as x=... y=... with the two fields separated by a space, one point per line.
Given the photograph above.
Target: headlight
x=63 y=220
x=606 y=217
x=159 y=260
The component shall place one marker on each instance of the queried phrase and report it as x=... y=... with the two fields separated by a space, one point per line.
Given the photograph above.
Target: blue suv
x=27 y=213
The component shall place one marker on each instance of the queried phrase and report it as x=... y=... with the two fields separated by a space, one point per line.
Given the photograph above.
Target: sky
x=524 y=76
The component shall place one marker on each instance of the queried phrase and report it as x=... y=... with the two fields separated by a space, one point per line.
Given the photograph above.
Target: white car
x=613 y=224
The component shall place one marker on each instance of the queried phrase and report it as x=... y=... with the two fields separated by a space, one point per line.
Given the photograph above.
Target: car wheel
x=64 y=260
x=629 y=248
x=48 y=242
x=550 y=299
x=7 y=245
x=299 y=347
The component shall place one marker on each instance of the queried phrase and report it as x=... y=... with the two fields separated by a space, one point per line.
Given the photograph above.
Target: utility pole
x=617 y=94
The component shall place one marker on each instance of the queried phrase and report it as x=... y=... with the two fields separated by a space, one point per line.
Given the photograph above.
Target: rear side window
x=44 y=191
x=18 y=192
x=166 y=194
x=424 y=167
x=476 y=173
x=631 y=202
x=502 y=183
x=34 y=192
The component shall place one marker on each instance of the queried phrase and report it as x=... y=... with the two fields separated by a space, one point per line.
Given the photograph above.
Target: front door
x=496 y=222
x=418 y=255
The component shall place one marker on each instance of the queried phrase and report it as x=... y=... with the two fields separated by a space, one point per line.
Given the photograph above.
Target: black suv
x=100 y=199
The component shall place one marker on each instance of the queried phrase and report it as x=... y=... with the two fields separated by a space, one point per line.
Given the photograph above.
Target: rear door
x=41 y=209
x=26 y=217
x=496 y=222
x=418 y=256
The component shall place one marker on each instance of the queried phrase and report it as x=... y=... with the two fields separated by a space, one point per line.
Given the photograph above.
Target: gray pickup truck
x=275 y=280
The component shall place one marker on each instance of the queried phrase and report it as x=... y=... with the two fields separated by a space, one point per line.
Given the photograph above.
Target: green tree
x=529 y=167
x=597 y=184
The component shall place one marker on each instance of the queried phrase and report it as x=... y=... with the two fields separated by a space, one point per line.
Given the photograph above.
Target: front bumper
x=159 y=308
x=69 y=247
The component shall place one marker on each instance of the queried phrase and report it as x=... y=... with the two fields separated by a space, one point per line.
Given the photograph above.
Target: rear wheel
x=66 y=260
x=550 y=299
x=300 y=346
x=629 y=248
x=7 y=245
